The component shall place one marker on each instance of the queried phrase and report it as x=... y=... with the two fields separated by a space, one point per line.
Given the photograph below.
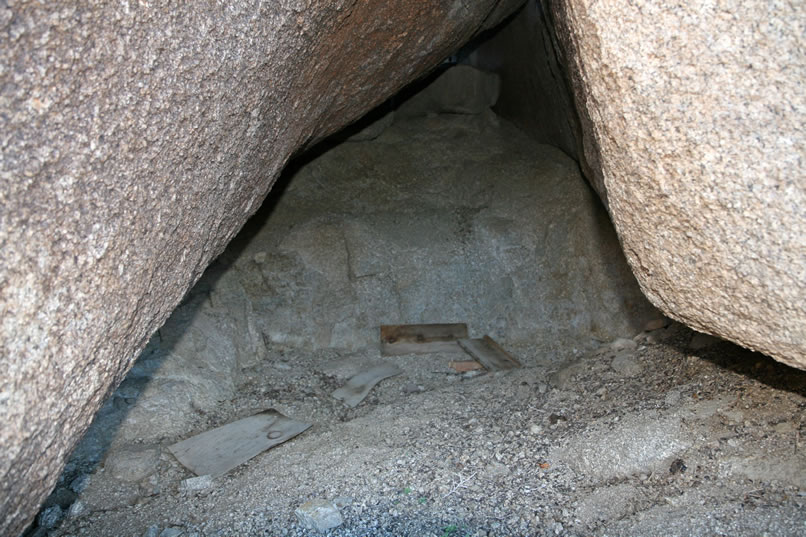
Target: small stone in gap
x=677 y=466
x=50 y=517
x=413 y=388
x=171 y=532
x=77 y=509
x=622 y=344
x=319 y=515
x=201 y=482
x=555 y=418
x=79 y=484
x=152 y=531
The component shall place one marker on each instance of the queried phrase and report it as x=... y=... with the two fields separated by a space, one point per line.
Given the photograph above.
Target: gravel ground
x=667 y=434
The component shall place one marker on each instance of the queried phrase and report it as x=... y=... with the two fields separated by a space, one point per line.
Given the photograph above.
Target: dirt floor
x=667 y=433
x=671 y=433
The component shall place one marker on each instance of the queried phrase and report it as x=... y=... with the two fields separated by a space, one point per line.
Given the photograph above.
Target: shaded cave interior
x=458 y=201
x=435 y=208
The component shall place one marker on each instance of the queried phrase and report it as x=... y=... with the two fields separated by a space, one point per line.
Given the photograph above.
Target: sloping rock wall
x=136 y=140
x=694 y=121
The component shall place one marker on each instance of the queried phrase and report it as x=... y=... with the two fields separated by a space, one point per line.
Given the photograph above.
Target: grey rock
x=62 y=497
x=50 y=517
x=152 y=531
x=439 y=252
x=108 y=250
x=708 y=249
x=319 y=515
x=80 y=483
x=77 y=509
x=623 y=344
x=627 y=365
x=133 y=463
x=461 y=89
x=171 y=532
x=634 y=444
x=201 y=482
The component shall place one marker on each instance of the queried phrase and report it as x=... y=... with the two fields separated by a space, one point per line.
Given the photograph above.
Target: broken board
x=465 y=366
x=217 y=451
x=421 y=338
x=359 y=386
x=489 y=354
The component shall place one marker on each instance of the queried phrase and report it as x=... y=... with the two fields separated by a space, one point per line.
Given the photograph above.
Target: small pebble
x=152 y=531
x=77 y=509
x=79 y=484
x=622 y=344
x=319 y=515
x=201 y=482
x=50 y=517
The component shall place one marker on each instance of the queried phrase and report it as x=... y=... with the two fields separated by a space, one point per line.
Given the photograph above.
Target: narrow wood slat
x=489 y=353
x=399 y=339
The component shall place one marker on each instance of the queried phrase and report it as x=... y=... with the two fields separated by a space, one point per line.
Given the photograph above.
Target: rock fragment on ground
x=132 y=463
x=631 y=445
x=319 y=515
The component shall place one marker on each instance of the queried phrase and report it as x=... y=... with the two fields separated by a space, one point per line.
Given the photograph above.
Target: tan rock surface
x=136 y=140
x=694 y=118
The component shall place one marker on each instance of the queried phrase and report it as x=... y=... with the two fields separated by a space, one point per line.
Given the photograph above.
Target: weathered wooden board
x=421 y=338
x=217 y=451
x=463 y=366
x=489 y=353
x=359 y=386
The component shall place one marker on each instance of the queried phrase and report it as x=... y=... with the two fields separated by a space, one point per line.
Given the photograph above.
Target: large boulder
x=693 y=120
x=136 y=139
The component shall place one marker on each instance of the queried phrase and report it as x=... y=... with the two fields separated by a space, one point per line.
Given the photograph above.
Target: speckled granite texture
x=136 y=139
x=694 y=120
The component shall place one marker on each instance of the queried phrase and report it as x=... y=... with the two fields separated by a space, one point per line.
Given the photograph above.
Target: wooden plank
x=489 y=353
x=217 y=451
x=359 y=386
x=421 y=338
x=463 y=366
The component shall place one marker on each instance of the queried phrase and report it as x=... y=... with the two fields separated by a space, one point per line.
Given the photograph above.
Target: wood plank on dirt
x=217 y=451
x=463 y=366
x=399 y=339
x=489 y=354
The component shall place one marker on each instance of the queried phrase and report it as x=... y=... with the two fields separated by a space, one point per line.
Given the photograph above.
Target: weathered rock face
x=136 y=140
x=694 y=120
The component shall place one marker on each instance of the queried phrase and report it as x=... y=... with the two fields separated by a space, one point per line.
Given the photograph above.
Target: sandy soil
x=659 y=439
